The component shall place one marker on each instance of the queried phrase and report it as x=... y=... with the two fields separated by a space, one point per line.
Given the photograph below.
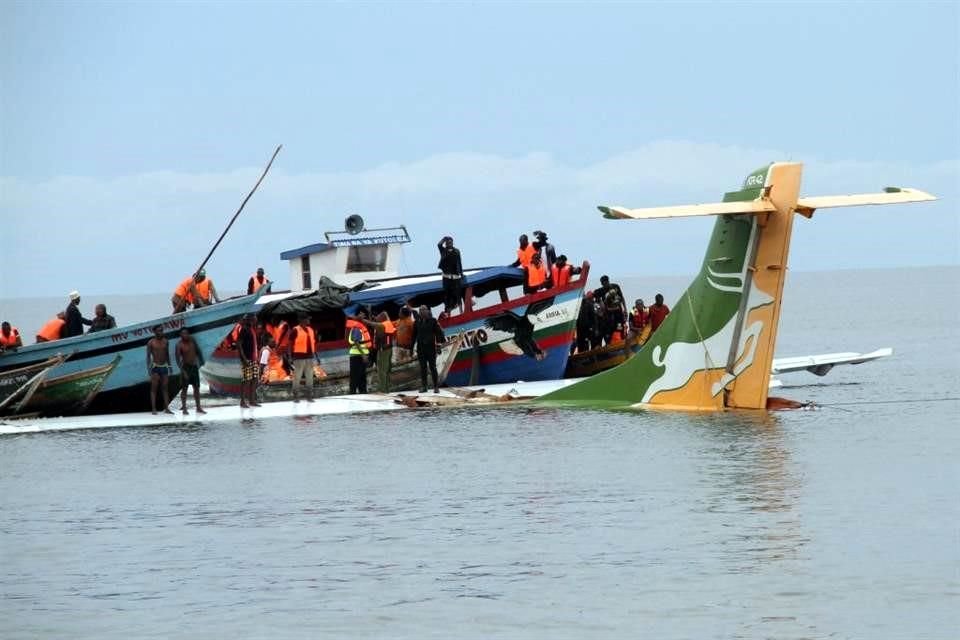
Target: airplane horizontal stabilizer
x=683 y=211
x=891 y=195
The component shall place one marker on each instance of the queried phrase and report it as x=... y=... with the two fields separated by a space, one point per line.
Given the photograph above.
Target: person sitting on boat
x=256 y=281
x=73 y=317
x=524 y=253
x=159 y=368
x=639 y=317
x=53 y=330
x=561 y=272
x=548 y=254
x=658 y=312
x=427 y=335
x=9 y=337
x=197 y=290
x=189 y=359
x=536 y=276
x=101 y=319
x=451 y=267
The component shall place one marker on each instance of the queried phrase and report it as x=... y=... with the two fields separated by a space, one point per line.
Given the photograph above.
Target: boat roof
x=422 y=288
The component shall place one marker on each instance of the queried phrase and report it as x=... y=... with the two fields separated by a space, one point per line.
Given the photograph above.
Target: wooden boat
x=588 y=363
x=527 y=337
x=70 y=394
x=127 y=388
x=21 y=383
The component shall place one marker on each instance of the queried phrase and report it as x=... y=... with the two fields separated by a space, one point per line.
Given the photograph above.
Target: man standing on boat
x=658 y=313
x=189 y=359
x=249 y=368
x=197 y=290
x=256 y=281
x=524 y=253
x=303 y=347
x=101 y=319
x=384 y=335
x=158 y=367
x=74 y=318
x=427 y=334
x=452 y=268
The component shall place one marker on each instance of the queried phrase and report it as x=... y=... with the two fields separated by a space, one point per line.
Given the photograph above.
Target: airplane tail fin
x=715 y=349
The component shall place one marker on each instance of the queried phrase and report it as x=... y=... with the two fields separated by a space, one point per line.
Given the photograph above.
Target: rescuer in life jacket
x=9 y=338
x=561 y=272
x=384 y=337
x=524 y=253
x=197 y=290
x=53 y=330
x=536 y=276
x=256 y=281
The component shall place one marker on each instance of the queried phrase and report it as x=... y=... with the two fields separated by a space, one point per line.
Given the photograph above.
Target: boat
x=70 y=394
x=523 y=338
x=127 y=388
x=21 y=383
x=587 y=363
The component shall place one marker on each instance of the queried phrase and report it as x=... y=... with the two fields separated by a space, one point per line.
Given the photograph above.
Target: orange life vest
x=561 y=275
x=525 y=256
x=536 y=275
x=10 y=340
x=281 y=334
x=256 y=283
x=183 y=290
x=389 y=331
x=305 y=342
x=616 y=336
x=367 y=342
x=52 y=330
x=203 y=288
x=405 y=332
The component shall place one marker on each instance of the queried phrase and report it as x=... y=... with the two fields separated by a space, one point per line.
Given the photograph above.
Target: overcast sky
x=130 y=132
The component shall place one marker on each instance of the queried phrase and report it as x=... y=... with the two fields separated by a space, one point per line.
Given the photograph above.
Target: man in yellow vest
x=385 y=334
x=358 y=339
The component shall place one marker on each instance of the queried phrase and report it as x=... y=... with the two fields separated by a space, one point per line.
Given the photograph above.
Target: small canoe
x=70 y=394
x=19 y=384
x=588 y=363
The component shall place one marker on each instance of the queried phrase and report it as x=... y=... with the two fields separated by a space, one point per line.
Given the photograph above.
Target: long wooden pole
x=242 y=205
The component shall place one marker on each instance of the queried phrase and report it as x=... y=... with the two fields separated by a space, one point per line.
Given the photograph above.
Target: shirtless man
x=189 y=359
x=158 y=366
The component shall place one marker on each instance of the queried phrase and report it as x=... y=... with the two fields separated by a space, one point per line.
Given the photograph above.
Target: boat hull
x=485 y=355
x=70 y=394
x=127 y=388
x=588 y=363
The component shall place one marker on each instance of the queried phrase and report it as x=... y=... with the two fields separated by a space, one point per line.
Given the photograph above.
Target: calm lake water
x=839 y=522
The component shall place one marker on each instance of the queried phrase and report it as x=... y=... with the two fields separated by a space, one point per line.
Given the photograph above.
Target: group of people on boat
x=65 y=324
x=604 y=319
x=543 y=268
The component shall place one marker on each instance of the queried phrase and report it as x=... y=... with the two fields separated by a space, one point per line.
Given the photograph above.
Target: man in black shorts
x=189 y=359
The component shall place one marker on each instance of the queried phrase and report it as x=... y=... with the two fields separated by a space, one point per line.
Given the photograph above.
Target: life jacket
x=256 y=283
x=561 y=275
x=52 y=330
x=203 y=288
x=536 y=276
x=183 y=290
x=525 y=256
x=616 y=336
x=234 y=335
x=304 y=341
x=10 y=340
x=356 y=339
x=389 y=333
x=638 y=318
x=364 y=332
x=281 y=335
x=405 y=332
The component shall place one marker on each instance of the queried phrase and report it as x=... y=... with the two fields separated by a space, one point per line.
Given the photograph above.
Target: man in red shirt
x=658 y=313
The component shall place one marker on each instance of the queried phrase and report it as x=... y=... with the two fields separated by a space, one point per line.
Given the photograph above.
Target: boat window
x=367 y=258
x=305 y=269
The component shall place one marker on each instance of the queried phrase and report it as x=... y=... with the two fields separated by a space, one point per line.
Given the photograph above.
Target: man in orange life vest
x=303 y=350
x=384 y=336
x=9 y=338
x=256 y=281
x=536 y=275
x=53 y=330
x=561 y=272
x=197 y=290
x=524 y=253
x=658 y=313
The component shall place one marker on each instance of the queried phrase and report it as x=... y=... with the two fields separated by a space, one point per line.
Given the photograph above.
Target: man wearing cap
x=74 y=318
x=256 y=281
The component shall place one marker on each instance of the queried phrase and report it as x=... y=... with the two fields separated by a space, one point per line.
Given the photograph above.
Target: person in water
x=189 y=359
x=159 y=368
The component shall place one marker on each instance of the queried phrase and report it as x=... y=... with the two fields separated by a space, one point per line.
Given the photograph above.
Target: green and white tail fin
x=716 y=348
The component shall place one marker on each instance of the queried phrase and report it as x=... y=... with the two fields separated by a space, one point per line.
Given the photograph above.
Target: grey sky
x=131 y=132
